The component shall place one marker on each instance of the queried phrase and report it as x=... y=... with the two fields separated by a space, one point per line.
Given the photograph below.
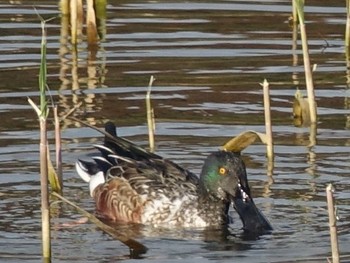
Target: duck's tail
x=90 y=174
x=113 y=151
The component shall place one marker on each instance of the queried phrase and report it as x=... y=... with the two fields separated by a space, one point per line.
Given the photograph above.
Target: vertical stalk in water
x=45 y=206
x=58 y=149
x=268 y=124
x=294 y=13
x=347 y=28
x=44 y=186
x=91 y=28
x=307 y=66
x=332 y=224
x=76 y=20
x=150 y=115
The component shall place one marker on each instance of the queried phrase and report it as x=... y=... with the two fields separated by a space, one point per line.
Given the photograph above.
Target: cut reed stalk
x=332 y=224
x=150 y=115
x=268 y=124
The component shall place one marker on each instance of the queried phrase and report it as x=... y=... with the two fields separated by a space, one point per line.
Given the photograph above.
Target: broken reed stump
x=332 y=224
x=150 y=115
x=268 y=124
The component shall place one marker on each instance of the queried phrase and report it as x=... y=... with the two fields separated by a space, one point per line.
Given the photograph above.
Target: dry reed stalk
x=150 y=115
x=268 y=124
x=308 y=74
x=295 y=13
x=347 y=27
x=64 y=7
x=295 y=44
x=307 y=66
x=91 y=29
x=332 y=224
x=73 y=21
x=76 y=20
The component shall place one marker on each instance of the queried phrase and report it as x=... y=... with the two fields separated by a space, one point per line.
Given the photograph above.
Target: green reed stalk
x=101 y=14
x=42 y=114
x=308 y=73
x=45 y=205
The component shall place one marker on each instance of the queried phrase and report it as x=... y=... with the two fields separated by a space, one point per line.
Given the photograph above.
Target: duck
x=132 y=185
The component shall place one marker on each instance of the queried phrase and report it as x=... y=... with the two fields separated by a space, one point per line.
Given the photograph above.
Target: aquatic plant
x=299 y=5
x=150 y=115
x=42 y=113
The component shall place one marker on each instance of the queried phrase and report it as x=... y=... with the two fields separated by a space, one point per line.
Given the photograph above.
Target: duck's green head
x=222 y=174
x=224 y=177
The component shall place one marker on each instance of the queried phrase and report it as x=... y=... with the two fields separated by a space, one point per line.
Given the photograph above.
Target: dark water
x=208 y=59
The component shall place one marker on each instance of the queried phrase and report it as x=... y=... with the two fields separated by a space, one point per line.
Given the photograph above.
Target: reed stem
x=58 y=148
x=45 y=205
x=347 y=27
x=44 y=186
x=76 y=20
x=91 y=27
x=150 y=115
x=306 y=58
x=268 y=124
x=332 y=224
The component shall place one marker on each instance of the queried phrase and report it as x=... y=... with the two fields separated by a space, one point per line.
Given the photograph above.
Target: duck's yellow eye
x=222 y=171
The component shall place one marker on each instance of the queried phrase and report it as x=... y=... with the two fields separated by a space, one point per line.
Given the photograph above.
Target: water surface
x=208 y=60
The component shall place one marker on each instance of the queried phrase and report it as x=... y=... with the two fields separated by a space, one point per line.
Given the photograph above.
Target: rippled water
x=208 y=60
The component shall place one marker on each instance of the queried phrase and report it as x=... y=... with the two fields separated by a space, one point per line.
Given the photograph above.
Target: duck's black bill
x=253 y=220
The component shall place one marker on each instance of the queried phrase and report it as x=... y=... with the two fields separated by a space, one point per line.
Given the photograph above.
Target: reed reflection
x=82 y=64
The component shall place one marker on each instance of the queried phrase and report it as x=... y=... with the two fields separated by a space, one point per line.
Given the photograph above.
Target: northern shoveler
x=130 y=184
